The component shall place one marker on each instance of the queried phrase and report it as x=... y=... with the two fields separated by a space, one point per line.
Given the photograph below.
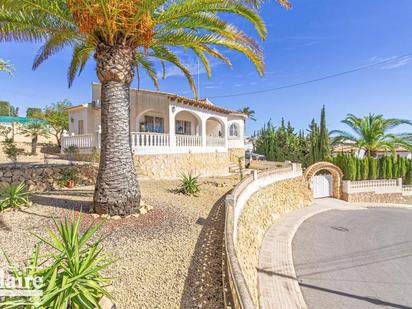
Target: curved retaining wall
x=254 y=205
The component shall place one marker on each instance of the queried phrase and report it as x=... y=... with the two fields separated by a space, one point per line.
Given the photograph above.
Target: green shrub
x=13 y=196
x=189 y=184
x=67 y=174
x=71 y=151
x=71 y=275
x=396 y=171
x=10 y=150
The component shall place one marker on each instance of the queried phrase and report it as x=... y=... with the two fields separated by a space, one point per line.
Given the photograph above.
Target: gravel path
x=169 y=258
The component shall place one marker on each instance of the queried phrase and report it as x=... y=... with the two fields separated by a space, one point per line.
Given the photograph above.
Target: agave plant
x=189 y=184
x=71 y=275
x=13 y=196
x=125 y=36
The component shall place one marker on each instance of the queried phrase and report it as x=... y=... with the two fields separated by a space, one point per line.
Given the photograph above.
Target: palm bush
x=35 y=129
x=372 y=133
x=189 y=184
x=71 y=273
x=13 y=196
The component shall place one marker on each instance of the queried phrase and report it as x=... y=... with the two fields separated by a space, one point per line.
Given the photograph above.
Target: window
x=234 y=130
x=183 y=127
x=153 y=124
x=80 y=127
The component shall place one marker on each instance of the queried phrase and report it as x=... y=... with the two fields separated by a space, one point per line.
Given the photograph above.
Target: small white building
x=170 y=135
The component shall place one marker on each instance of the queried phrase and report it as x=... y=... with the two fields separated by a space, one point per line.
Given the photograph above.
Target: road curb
x=278 y=284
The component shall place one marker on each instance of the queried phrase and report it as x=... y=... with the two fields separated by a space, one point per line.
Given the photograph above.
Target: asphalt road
x=360 y=259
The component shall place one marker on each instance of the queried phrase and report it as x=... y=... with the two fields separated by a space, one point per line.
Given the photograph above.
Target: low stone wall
x=377 y=191
x=173 y=165
x=255 y=205
x=45 y=177
x=260 y=213
x=379 y=198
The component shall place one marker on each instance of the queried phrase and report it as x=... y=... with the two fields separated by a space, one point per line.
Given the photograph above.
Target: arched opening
x=215 y=132
x=151 y=120
x=325 y=179
x=234 y=131
x=215 y=127
x=187 y=123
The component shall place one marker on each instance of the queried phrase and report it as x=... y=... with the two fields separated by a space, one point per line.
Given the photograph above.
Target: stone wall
x=262 y=210
x=234 y=153
x=173 y=165
x=379 y=198
x=45 y=177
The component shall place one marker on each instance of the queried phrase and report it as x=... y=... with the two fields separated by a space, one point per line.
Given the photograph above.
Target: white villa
x=170 y=135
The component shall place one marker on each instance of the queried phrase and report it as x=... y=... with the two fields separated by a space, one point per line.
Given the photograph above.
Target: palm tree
x=124 y=36
x=5 y=66
x=371 y=133
x=34 y=129
x=250 y=113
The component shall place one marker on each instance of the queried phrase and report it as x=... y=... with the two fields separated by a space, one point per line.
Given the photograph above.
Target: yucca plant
x=124 y=37
x=189 y=184
x=13 y=196
x=71 y=273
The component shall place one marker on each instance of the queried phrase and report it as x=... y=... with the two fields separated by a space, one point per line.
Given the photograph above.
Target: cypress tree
x=358 y=169
x=383 y=168
x=352 y=169
x=324 y=144
x=408 y=178
x=396 y=170
x=402 y=167
x=365 y=168
x=389 y=167
x=373 y=168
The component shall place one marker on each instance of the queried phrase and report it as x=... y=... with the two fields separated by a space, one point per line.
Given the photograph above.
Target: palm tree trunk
x=117 y=190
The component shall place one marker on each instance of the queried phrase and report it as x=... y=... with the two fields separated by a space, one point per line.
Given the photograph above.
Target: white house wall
x=240 y=122
x=74 y=117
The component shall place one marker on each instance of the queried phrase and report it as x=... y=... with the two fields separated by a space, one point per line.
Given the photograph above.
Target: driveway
x=356 y=259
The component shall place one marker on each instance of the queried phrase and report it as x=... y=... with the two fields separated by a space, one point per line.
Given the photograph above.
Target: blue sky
x=314 y=39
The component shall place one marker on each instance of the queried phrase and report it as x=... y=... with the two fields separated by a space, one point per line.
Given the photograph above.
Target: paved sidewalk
x=278 y=285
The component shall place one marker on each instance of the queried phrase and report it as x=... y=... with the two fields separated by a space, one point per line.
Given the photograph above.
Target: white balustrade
x=149 y=139
x=149 y=142
x=215 y=141
x=81 y=141
x=374 y=183
x=188 y=141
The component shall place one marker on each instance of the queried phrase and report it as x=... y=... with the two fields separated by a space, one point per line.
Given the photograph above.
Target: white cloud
x=392 y=63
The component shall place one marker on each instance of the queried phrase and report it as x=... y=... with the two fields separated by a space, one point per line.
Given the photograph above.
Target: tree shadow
x=203 y=286
x=65 y=203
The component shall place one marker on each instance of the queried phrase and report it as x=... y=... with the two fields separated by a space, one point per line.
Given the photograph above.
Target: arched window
x=234 y=130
